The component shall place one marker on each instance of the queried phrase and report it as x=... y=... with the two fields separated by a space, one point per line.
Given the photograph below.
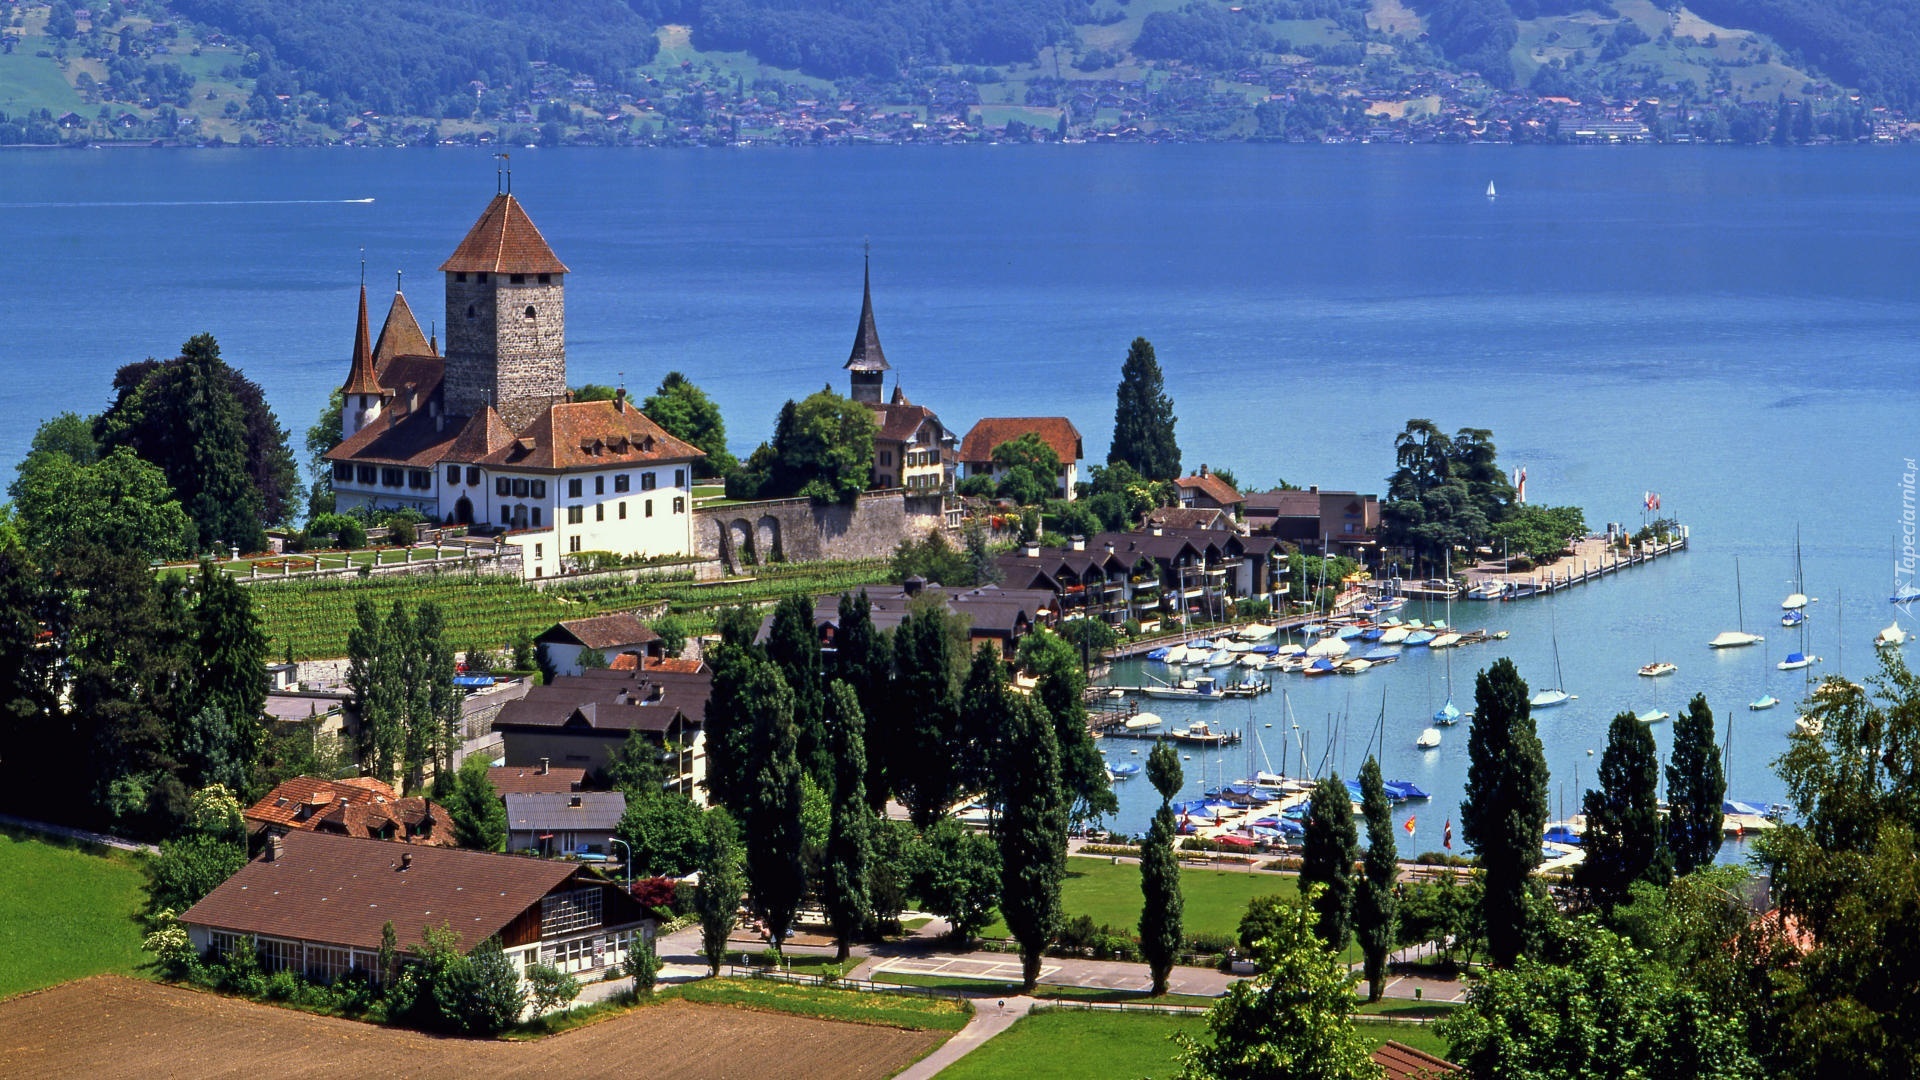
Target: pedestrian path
x=991 y=1016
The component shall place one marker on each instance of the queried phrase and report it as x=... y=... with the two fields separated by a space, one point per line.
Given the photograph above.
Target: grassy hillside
x=65 y=913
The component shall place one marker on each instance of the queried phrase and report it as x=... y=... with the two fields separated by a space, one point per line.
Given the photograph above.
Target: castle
x=487 y=435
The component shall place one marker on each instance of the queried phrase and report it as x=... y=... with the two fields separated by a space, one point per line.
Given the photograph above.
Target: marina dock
x=1592 y=559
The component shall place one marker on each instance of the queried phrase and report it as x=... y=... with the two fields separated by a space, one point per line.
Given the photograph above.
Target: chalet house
x=976 y=450
x=563 y=824
x=1204 y=490
x=360 y=807
x=993 y=613
x=911 y=448
x=608 y=635
x=315 y=904
x=541 y=779
x=1152 y=574
x=579 y=721
x=1179 y=518
x=487 y=435
x=1345 y=522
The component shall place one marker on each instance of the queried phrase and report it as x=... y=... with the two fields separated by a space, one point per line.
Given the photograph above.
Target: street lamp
x=629 y=847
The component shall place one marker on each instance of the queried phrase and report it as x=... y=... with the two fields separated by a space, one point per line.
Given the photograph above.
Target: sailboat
x=1796 y=599
x=1892 y=637
x=1429 y=739
x=1547 y=699
x=1799 y=658
x=1490 y=192
x=1766 y=700
x=1733 y=639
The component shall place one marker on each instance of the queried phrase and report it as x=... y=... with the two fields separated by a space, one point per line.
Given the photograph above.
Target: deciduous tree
x=722 y=885
x=686 y=412
x=771 y=808
x=849 y=840
x=1061 y=685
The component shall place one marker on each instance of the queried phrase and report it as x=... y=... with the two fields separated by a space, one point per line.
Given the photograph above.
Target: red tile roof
x=485 y=433
x=591 y=435
x=360 y=376
x=340 y=891
x=602 y=631
x=400 y=335
x=1056 y=431
x=504 y=241
x=901 y=419
x=1188 y=518
x=1402 y=1062
x=361 y=807
x=1211 y=486
x=519 y=780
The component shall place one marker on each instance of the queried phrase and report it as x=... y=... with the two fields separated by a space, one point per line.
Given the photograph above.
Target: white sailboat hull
x=1734 y=639
x=1547 y=699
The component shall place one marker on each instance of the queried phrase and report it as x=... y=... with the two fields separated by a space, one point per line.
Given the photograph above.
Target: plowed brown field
x=109 y=1028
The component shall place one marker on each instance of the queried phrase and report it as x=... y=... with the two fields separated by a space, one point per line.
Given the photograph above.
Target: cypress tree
x=1143 y=417
x=722 y=884
x=849 y=837
x=986 y=700
x=233 y=658
x=923 y=768
x=1504 y=815
x=442 y=701
x=1061 y=685
x=776 y=874
x=1327 y=853
x=728 y=721
x=1696 y=788
x=1162 y=914
x=1375 y=908
x=863 y=658
x=479 y=817
x=1033 y=834
x=1625 y=840
x=794 y=645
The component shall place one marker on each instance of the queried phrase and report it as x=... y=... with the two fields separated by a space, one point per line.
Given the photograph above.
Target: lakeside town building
x=487 y=435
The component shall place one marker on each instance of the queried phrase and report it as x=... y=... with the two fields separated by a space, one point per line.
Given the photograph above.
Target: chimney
x=620 y=399
x=545 y=765
x=276 y=847
x=406 y=860
x=1078 y=543
x=1203 y=468
x=1313 y=489
x=573 y=802
x=1031 y=550
x=1155 y=530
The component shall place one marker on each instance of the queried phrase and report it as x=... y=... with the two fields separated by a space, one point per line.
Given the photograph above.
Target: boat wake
x=183 y=202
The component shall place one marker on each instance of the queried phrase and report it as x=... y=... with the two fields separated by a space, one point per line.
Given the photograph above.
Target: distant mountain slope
x=876 y=38
x=1871 y=44
x=419 y=56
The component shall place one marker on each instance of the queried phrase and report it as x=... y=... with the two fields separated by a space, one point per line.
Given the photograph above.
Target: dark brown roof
x=589 y=435
x=340 y=891
x=1056 y=431
x=1284 y=504
x=866 y=355
x=554 y=812
x=1211 y=486
x=900 y=420
x=518 y=780
x=504 y=241
x=601 y=632
x=398 y=437
x=360 y=376
x=400 y=335
x=1403 y=1062
x=605 y=701
x=1188 y=517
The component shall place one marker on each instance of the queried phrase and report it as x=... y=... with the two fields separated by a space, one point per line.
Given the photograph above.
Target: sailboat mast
x=1739 y=603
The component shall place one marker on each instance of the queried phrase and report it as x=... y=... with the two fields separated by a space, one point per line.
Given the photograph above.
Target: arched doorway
x=463 y=511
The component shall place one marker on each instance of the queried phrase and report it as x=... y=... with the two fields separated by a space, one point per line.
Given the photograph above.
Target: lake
x=1733 y=329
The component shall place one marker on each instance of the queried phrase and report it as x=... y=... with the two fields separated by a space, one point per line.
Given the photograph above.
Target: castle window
x=420 y=478
x=622 y=482
x=453 y=474
x=502 y=486
x=529 y=311
x=679 y=505
x=539 y=489
x=575 y=515
x=573 y=488
x=546 y=279
x=469 y=311
x=481 y=277
x=519 y=488
x=648 y=481
x=473 y=476
x=623 y=511
x=599 y=485
x=679 y=478
x=573 y=543
x=536 y=517
x=517 y=279
x=599 y=511
x=392 y=477
x=506 y=515
x=368 y=474
x=343 y=470
x=649 y=508
x=460 y=276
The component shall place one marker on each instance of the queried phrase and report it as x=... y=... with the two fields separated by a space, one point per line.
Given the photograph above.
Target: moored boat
x=1429 y=739
x=1652 y=716
x=1658 y=668
x=1891 y=638
x=1795 y=661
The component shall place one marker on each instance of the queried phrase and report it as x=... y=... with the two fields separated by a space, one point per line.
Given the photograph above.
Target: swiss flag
x=1447 y=842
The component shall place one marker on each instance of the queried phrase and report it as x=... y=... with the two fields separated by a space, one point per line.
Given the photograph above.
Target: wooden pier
x=1592 y=559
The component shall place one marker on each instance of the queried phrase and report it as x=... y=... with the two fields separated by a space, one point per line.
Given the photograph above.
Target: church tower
x=362 y=392
x=867 y=363
x=506 y=318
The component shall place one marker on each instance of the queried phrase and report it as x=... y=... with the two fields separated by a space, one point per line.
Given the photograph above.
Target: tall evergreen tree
x=373 y=676
x=479 y=817
x=849 y=838
x=1504 y=814
x=729 y=716
x=986 y=701
x=771 y=808
x=1162 y=914
x=1696 y=788
x=1375 y=907
x=925 y=771
x=1625 y=839
x=1033 y=834
x=1143 y=417
x=32 y=731
x=863 y=659
x=1061 y=683
x=441 y=701
x=722 y=884
x=233 y=652
x=1326 y=857
x=225 y=505
x=794 y=645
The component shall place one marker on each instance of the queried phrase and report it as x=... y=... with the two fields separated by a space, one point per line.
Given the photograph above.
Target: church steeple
x=867 y=362
x=400 y=335
x=360 y=378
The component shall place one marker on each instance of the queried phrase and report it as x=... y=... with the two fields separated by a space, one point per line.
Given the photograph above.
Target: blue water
x=1733 y=329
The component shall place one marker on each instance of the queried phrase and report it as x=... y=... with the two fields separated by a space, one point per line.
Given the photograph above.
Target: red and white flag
x=1409 y=826
x=1447 y=841
x=1520 y=484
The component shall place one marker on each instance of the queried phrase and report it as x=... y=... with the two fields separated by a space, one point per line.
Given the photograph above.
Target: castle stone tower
x=506 y=318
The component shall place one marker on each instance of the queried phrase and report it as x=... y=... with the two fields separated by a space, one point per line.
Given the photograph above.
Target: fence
x=801 y=978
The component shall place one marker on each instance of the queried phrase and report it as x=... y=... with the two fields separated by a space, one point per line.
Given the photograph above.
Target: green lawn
x=33 y=81
x=64 y=913
x=902 y=1010
x=1064 y=993
x=1070 y=1044
x=1109 y=893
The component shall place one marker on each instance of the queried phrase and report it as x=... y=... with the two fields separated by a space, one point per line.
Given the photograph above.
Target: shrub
x=1210 y=942
x=550 y=988
x=655 y=892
